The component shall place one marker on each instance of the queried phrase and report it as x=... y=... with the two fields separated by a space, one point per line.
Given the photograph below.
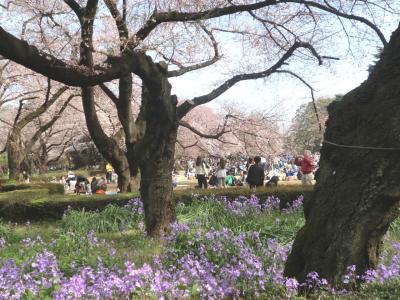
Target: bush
x=35 y=207
x=13 y=187
x=37 y=204
x=53 y=188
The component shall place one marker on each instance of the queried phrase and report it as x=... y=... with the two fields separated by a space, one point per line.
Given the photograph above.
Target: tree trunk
x=156 y=156
x=15 y=158
x=126 y=182
x=156 y=187
x=357 y=192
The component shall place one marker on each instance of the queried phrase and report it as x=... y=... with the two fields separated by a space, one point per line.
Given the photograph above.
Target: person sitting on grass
x=255 y=177
x=101 y=186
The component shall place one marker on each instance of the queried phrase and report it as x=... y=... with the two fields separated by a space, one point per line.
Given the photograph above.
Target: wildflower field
x=217 y=249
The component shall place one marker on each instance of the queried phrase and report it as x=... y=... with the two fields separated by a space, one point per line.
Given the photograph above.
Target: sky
x=283 y=93
x=280 y=93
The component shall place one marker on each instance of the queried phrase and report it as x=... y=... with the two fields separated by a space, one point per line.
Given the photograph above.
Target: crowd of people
x=81 y=185
x=254 y=171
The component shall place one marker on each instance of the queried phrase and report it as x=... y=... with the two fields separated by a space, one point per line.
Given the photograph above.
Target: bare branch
x=158 y=18
x=49 y=124
x=311 y=91
x=42 y=109
x=119 y=21
x=74 y=6
x=201 y=134
x=184 y=108
x=109 y=93
x=329 y=8
x=214 y=59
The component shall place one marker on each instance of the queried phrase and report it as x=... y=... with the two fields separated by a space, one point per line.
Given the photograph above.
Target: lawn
x=217 y=249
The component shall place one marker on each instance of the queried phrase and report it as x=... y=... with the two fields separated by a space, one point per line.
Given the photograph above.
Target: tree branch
x=216 y=57
x=48 y=65
x=119 y=21
x=75 y=7
x=311 y=91
x=204 y=135
x=42 y=109
x=332 y=10
x=187 y=106
x=109 y=93
x=49 y=124
x=158 y=18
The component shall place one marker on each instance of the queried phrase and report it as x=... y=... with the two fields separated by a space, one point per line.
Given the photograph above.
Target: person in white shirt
x=201 y=172
x=221 y=173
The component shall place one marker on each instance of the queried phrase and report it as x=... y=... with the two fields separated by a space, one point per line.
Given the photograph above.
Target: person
x=249 y=163
x=25 y=176
x=255 y=176
x=273 y=181
x=81 y=185
x=109 y=171
x=306 y=164
x=93 y=185
x=101 y=186
x=221 y=173
x=201 y=172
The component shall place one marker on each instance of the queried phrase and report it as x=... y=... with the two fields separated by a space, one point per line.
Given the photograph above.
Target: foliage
x=212 y=253
x=111 y=219
x=304 y=132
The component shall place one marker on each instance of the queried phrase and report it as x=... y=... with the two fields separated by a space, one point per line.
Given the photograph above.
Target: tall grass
x=111 y=219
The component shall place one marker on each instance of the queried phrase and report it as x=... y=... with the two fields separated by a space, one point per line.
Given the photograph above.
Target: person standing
x=306 y=164
x=255 y=176
x=221 y=173
x=109 y=171
x=201 y=173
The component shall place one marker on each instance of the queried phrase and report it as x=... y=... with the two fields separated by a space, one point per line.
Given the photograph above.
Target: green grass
x=273 y=224
x=111 y=219
x=119 y=239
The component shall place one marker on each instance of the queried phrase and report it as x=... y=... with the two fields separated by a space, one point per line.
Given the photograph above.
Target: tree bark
x=156 y=185
x=107 y=146
x=15 y=155
x=156 y=153
x=126 y=182
x=357 y=191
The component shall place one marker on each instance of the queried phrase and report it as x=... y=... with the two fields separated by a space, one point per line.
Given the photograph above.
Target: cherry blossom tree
x=155 y=41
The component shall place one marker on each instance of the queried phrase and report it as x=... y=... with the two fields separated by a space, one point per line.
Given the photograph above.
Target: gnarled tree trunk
x=156 y=153
x=357 y=192
x=15 y=156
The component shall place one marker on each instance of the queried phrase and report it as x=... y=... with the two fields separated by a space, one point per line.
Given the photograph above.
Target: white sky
x=280 y=92
x=283 y=93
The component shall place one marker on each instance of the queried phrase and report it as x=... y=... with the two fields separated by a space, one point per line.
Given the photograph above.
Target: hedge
x=53 y=188
x=38 y=203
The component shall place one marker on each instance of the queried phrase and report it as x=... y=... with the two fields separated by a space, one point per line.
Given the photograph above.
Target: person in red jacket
x=306 y=164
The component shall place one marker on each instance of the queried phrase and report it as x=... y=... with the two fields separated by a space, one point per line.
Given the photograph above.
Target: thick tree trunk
x=156 y=155
x=156 y=187
x=357 y=192
x=15 y=158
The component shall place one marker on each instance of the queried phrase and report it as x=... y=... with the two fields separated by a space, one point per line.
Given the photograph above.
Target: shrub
x=53 y=188
x=13 y=187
